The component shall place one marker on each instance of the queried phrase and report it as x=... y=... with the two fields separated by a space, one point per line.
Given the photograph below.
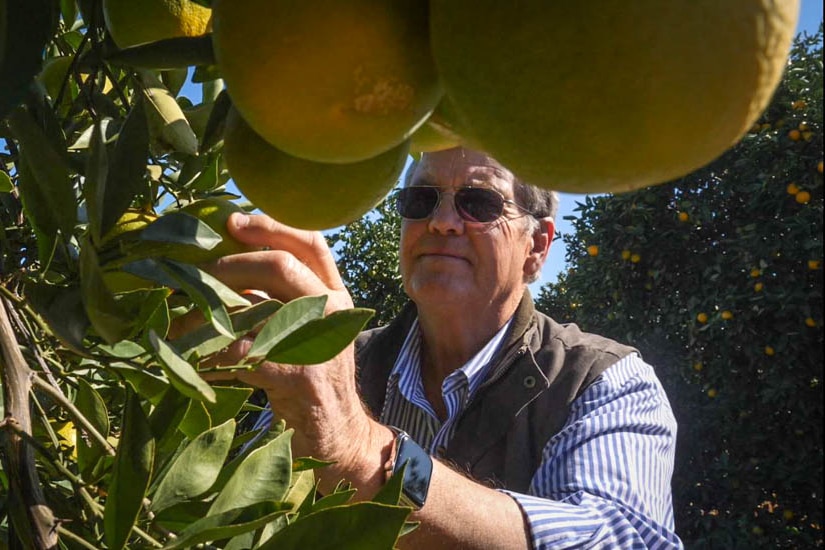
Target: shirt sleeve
x=604 y=480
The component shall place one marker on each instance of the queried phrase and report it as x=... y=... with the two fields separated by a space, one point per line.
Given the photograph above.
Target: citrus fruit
x=133 y=22
x=439 y=132
x=610 y=95
x=304 y=193
x=328 y=81
x=55 y=73
x=127 y=227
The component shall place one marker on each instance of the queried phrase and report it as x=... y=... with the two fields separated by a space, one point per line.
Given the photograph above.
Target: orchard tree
x=110 y=438
x=717 y=279
x=367 y=251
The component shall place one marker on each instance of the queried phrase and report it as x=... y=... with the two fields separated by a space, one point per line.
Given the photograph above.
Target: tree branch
x=32 y=520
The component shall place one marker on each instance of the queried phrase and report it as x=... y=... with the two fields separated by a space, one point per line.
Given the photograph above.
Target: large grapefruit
x=326 y=80
x=611 y=95
x=304 y=193
x=133 y=22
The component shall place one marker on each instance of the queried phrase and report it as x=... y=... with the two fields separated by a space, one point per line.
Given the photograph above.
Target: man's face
x=446 y=260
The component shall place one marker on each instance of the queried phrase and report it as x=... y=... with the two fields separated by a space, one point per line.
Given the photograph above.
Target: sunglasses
x=473 y=204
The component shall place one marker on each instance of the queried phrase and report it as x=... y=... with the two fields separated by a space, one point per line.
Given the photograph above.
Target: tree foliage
x=367 y=252
x=717 y=279
x=110 y=438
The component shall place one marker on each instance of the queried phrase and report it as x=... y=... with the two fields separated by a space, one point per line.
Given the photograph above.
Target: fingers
x=309 y=247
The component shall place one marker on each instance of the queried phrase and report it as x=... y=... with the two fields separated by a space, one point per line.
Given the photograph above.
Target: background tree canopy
x=717 y=279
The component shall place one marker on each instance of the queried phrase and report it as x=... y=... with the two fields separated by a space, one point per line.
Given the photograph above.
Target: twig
x=75 y=413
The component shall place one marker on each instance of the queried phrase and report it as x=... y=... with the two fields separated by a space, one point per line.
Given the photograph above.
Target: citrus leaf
x=108 y=319
x=228 y=403
x=303 y=484
x=130 y=476
x=321 y=339
x=62 y=308
x=89 y=451
x=221 y=526
x=206 y=340
x=291 y=317
x=182 y=375
x=6 y=186
x=129 y=158
x=195 y=470
x=27 y=25
x=196 y=419
x=97 y=165
x=213 y=133
x=49 y=194
x=338 y=498
x=144 y=383
x=167 y=123
x=264 y=475
x=181 y=228
x=208 y=293
x=359 y=526
x=171 y=53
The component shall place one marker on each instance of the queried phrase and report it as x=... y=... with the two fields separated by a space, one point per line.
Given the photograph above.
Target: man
x=544 y=437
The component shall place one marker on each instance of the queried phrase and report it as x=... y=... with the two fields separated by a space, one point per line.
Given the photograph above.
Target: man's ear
x=542 y=239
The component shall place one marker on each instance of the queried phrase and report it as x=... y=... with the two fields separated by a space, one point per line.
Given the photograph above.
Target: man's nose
x=445 y=218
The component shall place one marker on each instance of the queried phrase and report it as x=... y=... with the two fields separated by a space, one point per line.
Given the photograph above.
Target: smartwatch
x=419 y=469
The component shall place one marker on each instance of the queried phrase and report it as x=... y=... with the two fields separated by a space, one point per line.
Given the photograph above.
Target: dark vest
x=541 y=368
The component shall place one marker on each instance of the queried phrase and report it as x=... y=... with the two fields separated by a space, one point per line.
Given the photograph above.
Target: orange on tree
x=794 y=135
x=133 y=22
x=328 y=81
x=677 y=83
x=304 y=193
x=803 y=197
x=792 y=188
x=702 y=318
x=593 y=250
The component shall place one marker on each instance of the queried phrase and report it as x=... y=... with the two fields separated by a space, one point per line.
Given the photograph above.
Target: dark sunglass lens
x=478 y=204
x=416 y=203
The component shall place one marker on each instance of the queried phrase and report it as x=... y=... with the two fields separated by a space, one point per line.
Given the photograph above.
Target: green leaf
x=213 y=133
x=89 y=451
x=143 y=382
x=195 y=470
x=181 y=228
x=6 y=185
x=130 y=477
x=196 y=419
x=171 y=53
x=264 y=475
x=108 y=319
x=129 y=157
x=62 y=309
x=25 y=29
x=228 y=403
x=208 y=293
x=222 y=526
x=303 y=484
x=390 y=492
x=46 y=191
x=167 y=123
x=291 y=317
x=322 y=339
x=206 y=340
x=338 y=498
x=182 y=375
x=97 y=166
x=359 y=526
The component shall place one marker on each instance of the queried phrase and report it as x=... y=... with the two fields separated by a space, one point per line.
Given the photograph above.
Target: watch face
x=419 y=469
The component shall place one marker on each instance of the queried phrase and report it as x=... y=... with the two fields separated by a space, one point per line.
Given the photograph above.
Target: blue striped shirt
x=604 y=480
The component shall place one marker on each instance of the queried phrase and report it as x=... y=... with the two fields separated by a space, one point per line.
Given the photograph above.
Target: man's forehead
x=461 y=161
